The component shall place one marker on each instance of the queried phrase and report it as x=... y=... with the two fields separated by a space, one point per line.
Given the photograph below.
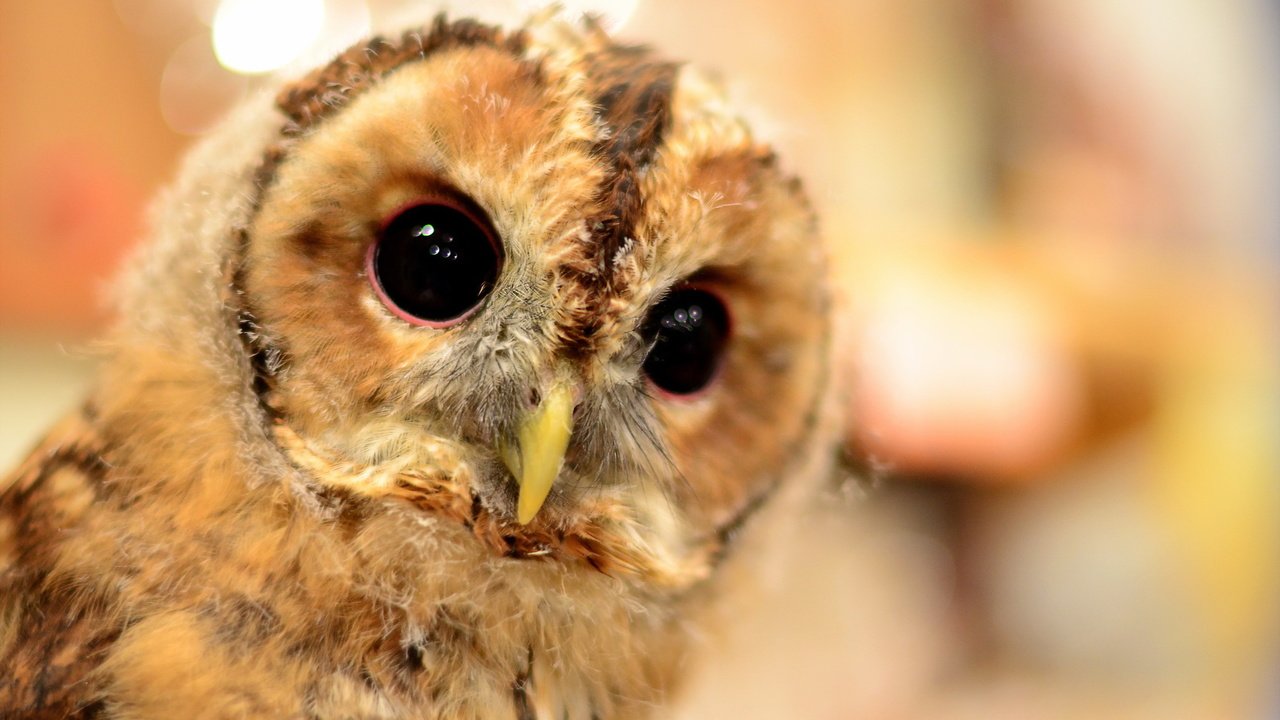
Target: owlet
x=448 y=382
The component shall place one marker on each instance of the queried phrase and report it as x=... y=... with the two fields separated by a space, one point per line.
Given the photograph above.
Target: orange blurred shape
x=962 y=368
x=69 y=222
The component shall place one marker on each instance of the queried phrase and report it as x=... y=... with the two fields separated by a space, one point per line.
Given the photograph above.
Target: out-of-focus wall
x=83 y=145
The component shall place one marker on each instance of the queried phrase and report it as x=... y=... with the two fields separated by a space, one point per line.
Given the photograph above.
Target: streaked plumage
x=282 y=500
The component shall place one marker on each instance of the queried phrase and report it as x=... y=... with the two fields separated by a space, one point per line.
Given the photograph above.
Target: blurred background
x=1056 y=235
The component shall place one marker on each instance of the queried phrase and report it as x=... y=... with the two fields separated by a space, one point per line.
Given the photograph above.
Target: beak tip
x=528 y=505
x=541 y=439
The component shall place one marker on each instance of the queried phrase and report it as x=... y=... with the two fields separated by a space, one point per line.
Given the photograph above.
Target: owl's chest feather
x=167 y=584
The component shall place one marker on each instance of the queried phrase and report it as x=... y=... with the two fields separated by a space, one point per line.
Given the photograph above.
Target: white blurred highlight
x=258 y=36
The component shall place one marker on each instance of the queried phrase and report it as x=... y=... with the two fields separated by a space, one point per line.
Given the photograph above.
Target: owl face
x=551 y=258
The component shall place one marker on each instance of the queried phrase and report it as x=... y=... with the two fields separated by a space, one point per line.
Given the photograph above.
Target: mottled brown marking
x=52 y=641
x=55 y=650
x=348 y=510
x=326 y=89
x=50 y=491
x=244 y=621
x=632 y=92
x=520 y=695
x=264 y=357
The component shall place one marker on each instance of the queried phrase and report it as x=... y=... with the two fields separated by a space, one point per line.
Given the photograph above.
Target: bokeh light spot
x=258 y=36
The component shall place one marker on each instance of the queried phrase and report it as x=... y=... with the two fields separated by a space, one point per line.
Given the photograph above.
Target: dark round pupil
x=434 y=262
x=689 y=331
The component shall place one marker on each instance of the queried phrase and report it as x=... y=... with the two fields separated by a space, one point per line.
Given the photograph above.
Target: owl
x=452 y=382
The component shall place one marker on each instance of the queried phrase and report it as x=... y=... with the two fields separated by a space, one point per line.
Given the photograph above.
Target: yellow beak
x=542 y=436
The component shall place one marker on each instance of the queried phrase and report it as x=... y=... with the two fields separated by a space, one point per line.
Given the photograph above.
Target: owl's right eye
x=433 y=263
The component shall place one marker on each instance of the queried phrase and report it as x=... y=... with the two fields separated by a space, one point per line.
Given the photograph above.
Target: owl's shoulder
x=50 y=490
x=50 y=639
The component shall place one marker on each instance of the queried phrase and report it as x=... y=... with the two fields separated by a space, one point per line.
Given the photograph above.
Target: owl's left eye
x=690 y=332
x=433 y=263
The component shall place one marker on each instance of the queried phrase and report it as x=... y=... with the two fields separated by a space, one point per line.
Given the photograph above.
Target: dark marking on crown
x=632 y=91
x=632 y=96
x=326 y=89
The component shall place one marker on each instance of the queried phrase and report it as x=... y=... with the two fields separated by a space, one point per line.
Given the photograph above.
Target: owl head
x=535 y=282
